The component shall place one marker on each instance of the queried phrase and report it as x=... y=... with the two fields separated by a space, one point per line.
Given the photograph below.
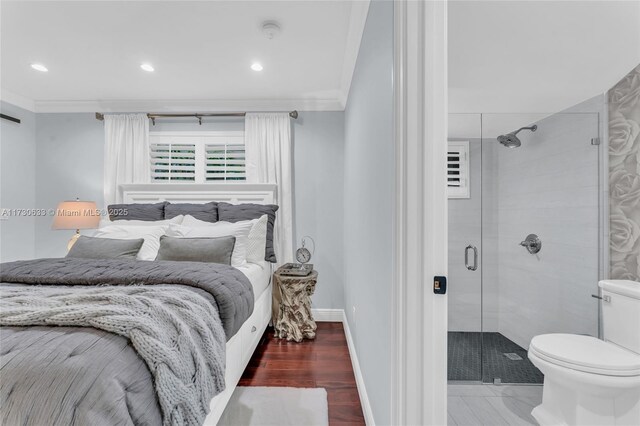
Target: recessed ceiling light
x=256 y=66
x=39 y=67
x=147 y=67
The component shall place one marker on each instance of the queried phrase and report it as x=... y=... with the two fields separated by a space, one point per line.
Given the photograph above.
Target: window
x=197 y=157
x=458 y=169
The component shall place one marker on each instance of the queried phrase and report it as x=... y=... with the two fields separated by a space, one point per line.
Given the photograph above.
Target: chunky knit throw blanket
x=177 y=332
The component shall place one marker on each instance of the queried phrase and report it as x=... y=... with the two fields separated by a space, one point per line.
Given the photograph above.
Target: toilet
x=588 y=381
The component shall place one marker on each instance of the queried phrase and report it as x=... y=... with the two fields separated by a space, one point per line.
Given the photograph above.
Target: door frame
x=419 y=370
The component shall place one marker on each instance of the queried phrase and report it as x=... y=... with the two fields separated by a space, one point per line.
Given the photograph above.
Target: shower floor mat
x=502 y=361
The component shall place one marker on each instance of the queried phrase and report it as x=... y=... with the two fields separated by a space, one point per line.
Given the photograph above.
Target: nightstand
x=291 y=314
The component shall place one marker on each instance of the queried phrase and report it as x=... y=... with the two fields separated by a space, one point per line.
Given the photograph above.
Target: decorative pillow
x=105 y=248
x=257 y=242
x=218 y=229
x=137 y=211
x=207 y=212
x=237 y=212
x=150 y=234
x=106 y=222
x=211 y=250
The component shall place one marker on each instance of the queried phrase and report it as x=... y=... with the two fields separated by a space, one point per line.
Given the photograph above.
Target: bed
x=113 y=369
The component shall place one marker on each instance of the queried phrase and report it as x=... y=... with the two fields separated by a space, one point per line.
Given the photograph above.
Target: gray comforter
x=78 y=375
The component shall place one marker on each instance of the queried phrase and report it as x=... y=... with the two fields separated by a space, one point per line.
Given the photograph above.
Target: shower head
x=510 y=140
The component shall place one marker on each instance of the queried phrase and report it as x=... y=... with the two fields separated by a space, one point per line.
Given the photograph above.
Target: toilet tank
x=621 y=313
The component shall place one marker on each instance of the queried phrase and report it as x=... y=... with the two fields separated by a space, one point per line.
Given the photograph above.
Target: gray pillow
x=207 y=212
x=137 y=211
x=105 y=248
x=237 y=212
x=211 y=250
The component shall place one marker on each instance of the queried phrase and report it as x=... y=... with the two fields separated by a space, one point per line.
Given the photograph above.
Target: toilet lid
x=586 y=353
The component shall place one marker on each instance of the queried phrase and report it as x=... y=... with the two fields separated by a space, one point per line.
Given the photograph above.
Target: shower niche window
x=529 y=174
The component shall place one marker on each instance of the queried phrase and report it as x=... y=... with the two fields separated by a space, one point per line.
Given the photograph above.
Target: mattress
x=259 y=275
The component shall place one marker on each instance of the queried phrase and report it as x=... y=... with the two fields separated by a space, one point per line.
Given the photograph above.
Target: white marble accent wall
x=624 y=177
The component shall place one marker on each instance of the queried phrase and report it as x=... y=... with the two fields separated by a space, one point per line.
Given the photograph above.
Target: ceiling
x=538 y=56
x=201 y=52
x=504 y=56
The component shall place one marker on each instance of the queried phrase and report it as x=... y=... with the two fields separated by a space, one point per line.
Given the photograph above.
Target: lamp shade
x=76 y=215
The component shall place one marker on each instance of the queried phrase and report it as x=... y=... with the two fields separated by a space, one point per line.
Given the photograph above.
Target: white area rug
x=258 y=406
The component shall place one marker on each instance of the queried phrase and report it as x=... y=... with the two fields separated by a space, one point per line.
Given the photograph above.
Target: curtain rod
x=17 y=120
x=293 y=114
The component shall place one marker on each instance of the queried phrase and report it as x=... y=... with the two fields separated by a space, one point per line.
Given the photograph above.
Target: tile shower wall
x=548 y=187
x=624 y=177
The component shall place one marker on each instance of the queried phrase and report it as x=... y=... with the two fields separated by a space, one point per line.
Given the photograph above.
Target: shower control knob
x=532 y=243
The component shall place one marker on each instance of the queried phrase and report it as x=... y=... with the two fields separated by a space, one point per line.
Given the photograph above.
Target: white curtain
x=268 y=160
x=126 y=153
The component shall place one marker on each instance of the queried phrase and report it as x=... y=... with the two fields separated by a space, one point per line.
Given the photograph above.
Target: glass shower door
x=464 y=163
x=540 y=222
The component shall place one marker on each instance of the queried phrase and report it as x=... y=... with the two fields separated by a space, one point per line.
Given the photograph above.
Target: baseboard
x=327 y=315
x=362 y=390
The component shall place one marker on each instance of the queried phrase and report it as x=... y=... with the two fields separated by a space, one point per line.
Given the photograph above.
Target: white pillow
x=240 y=230
x=257 y=240
x=107 y=222
x=151 y=235
x=191 y=221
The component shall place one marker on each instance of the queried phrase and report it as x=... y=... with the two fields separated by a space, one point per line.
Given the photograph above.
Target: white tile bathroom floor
x=492 y=405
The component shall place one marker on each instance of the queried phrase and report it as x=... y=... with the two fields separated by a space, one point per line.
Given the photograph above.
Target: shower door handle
x=475 y=257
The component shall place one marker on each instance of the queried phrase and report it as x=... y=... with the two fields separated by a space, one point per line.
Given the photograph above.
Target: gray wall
x=319 y=199
x=17 y=183
x=69 y=164
x=69 y=153
x=368 y=215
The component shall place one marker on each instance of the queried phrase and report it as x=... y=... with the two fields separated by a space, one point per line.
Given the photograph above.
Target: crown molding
x=357 y=21
x=173 y=105
x=17 y=100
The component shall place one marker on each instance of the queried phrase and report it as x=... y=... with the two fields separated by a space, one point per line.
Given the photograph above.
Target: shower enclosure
x=524 y=237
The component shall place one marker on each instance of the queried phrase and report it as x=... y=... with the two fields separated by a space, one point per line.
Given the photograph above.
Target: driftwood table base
x=292 y=317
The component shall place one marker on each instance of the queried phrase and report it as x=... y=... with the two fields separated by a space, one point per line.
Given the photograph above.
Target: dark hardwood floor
x=323 y=362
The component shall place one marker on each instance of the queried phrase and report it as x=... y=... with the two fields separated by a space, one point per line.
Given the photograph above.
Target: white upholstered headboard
x=234 y=193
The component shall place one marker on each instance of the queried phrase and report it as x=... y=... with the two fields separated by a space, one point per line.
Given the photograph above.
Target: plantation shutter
x=224 y=162
x=458 y=169
x=173 y=161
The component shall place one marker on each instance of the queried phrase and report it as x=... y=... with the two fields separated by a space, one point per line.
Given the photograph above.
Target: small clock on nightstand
x=303 y=256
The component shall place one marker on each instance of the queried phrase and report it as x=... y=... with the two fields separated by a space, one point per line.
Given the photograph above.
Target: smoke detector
x=270 y=29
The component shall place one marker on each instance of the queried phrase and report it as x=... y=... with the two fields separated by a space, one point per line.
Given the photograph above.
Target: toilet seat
x=586 y=354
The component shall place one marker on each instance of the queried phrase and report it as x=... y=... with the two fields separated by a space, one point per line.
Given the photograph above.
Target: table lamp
x=76 y=215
